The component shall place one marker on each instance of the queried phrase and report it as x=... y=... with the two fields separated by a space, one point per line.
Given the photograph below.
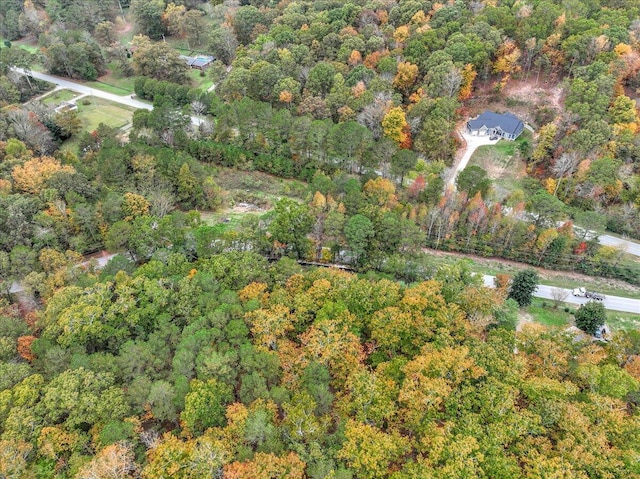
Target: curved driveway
x=472 y=144
x=86 y=90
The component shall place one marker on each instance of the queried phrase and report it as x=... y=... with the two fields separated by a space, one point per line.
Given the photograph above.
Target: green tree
x=320 y=79
x=188 y=188
x=291 y=224
x=472 y=180
x=547 y=208
x=523 y=285
x=359 y=230
x=148 y=16
x=402 y=162
x=223 y=44
x=590 y=316
x=245 y=21
x=204 y=405
x=158 y=60
x=79 y=396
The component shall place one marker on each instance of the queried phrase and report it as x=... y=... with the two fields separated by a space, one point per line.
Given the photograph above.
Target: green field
x=198 y=81
x=103 y=111
x=544 y=312
x=117 y=88
x=59 y=96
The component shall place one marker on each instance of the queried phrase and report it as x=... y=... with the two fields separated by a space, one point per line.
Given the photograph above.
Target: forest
x=204 y=348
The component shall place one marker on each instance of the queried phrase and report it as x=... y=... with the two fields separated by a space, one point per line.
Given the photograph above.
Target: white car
x=582 y=292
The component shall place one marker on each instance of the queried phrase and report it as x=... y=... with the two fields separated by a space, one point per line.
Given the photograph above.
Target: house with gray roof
x=503 y=125
x=200 y=62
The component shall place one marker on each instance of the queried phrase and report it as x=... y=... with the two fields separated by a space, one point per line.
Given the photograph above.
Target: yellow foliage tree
x=394 y=125
x=406 y=76
x=33 y=175
x=135 y=205
x=401 y=34
x=466 y=86
x=355 y=58
x=550 y=184
x=285 y=96
x=380 y=191
x=434 y=374
x=267 y=466
x=508 y=56
x=370 y=452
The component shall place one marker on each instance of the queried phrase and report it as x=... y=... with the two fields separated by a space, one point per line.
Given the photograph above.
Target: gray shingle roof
x=199 y=61
x=508 y=122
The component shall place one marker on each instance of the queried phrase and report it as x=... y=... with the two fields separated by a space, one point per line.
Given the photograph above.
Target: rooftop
x=199 y=61
x=508 y=122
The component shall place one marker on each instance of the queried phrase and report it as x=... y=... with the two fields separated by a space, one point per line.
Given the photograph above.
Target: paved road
x=84 y=89
x=615 y=303
x=630 y=247
x=472 y=142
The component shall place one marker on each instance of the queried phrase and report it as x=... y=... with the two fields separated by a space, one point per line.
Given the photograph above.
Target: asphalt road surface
x=629 y=247
x=615 y=303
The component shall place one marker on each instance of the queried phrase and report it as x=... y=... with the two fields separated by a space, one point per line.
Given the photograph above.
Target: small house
x=201 y=62
x=502 y=125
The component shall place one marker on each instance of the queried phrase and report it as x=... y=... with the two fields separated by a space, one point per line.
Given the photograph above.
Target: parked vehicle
x=582 y=292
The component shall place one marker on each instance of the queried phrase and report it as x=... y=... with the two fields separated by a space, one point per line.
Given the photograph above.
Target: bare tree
x=33 y=133
x=565 y=165
x=559 y=295
x=198 y=107
x=452 y=81
x=113 y=462
x=162 y=202
x=372 y=115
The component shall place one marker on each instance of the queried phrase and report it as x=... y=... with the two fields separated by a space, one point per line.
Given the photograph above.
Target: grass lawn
x=203 y=82
x=617 y=320
x=543 y=311
x=27 y=43
x=502 y=162
x=115 y=82
x=59 y=96
x=103 y=111
x=116 y=90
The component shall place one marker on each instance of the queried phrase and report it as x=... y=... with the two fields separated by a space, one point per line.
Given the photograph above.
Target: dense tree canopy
x=325 y=132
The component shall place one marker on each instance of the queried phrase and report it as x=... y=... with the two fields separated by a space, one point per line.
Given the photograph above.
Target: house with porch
x=501 y=125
